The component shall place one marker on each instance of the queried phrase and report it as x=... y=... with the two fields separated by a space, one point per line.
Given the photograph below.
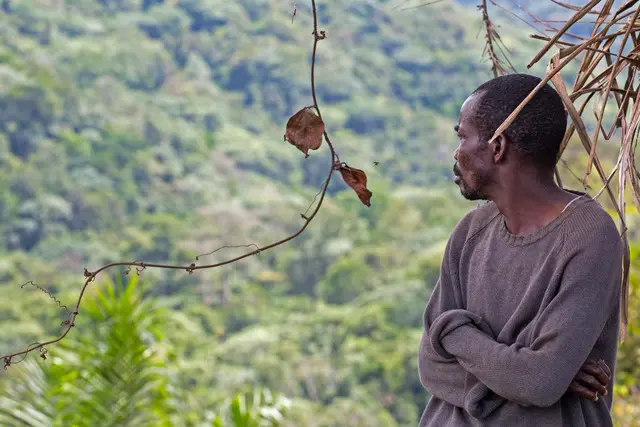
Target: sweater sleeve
x=442 y=375
x=564 y=334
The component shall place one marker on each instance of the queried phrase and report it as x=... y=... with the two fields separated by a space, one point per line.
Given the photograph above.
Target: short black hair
x=538 y=129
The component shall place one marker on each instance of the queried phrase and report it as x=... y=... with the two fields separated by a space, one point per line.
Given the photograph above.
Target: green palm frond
x=113 y=372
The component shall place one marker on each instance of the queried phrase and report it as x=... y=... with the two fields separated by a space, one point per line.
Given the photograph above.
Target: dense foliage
x=152 y=130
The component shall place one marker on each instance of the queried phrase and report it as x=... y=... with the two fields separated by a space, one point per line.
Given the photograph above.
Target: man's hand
x=592 y=380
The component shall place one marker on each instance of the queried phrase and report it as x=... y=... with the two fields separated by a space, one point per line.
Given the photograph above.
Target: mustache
x=456 y=170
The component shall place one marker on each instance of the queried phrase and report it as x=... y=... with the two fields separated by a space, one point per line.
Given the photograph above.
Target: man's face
x=473 y=157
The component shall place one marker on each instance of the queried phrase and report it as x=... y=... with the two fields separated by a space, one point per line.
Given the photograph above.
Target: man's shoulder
x=591 y=222
x=475 y=221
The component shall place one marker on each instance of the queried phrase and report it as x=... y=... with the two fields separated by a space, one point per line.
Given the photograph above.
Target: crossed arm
x=461 y=362
x=441 y=374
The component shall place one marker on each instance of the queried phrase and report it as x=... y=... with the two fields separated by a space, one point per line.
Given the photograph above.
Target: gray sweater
x=512 y=319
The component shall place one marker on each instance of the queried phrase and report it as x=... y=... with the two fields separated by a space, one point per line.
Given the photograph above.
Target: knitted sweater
x=512 y=319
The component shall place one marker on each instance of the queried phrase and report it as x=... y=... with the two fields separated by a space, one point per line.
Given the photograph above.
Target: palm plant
x=258 y=408
x=115 y=372
x=119 y=370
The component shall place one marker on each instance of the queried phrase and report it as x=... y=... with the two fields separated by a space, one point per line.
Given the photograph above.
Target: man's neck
x=530 y=204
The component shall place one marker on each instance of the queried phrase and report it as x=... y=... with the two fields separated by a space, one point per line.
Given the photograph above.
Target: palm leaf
x=109 y=374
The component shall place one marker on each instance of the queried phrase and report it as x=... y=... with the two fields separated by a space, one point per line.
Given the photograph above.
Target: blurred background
x=153 y=130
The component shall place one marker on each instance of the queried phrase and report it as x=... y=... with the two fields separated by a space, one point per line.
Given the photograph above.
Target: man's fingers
x=590 y=382
x=599 y=363
x=605 y=367
x=597 y=372
x=582 y=390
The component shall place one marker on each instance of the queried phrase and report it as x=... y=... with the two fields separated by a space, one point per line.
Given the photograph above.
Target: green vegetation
x=120 y=371
x=152 y=130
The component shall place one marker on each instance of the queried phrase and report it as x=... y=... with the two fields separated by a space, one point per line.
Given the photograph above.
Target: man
x=522 y=325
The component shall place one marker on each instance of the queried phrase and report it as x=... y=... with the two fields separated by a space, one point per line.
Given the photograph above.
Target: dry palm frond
x=608 y=62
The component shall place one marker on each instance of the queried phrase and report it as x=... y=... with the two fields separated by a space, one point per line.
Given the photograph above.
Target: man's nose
x=455 y=154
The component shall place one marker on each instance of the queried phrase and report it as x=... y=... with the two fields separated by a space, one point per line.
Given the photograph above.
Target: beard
x=474 y=194
x=467 y=192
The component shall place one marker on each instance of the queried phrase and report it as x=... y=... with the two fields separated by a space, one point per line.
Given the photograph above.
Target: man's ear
x=499 y=148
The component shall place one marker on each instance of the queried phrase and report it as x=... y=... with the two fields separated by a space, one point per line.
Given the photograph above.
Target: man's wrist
x=446 y=326
x=455 y=341
x=453 y=330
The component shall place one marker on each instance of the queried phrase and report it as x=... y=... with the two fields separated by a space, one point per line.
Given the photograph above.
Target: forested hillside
x=152 y=130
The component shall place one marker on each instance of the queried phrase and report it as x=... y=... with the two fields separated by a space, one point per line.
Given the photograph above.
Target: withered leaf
x=357 y=179
x=305 y=130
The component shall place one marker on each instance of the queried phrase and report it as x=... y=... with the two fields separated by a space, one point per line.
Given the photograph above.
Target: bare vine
x=305 y=130
x=56 y=300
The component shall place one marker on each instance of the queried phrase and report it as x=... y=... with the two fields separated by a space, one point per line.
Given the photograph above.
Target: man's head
x=530 y=143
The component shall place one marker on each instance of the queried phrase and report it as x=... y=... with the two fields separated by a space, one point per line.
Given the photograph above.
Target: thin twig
x=515 y=15
x=91 y=276
x=423 y=5
x=540 y=21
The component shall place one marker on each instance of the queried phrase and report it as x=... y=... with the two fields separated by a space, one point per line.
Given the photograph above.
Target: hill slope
x=136 y=99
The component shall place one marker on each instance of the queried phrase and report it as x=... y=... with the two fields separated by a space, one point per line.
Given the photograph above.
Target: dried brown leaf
x=305 y=130
x=357 y=179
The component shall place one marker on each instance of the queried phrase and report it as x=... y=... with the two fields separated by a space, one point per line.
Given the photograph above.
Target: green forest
x=152 y=130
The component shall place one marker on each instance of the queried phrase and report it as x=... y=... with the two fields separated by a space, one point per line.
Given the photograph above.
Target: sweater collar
x=514 y=240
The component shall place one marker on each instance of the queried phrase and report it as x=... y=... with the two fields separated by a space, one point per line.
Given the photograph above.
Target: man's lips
x=454 y=169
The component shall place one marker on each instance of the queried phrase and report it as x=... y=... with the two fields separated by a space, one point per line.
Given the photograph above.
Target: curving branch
x=303 y=132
